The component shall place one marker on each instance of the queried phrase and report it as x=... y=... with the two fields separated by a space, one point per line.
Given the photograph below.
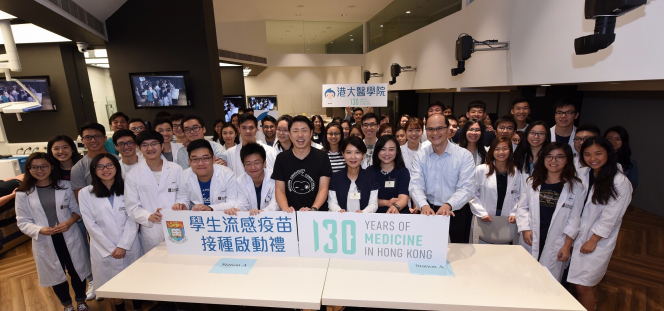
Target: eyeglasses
x=568 y=113
x=580 y=140
x=137 y=129
x=474 y=130
x=127 y=144
x=176 y=125
x=558 y=158
x=42 y=168
x=193 y=129
x=334 y=134
x=281 y=131
x=101 y=167
x=153 y=144
x=536 y=134
x=506 y=128
x=91 y=137
x=268 y=127
x=198 y=160
x=437 y=129
x=369 y=125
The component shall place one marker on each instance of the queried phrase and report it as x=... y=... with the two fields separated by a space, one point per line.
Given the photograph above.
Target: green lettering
x=419 y=240
x=368 y=238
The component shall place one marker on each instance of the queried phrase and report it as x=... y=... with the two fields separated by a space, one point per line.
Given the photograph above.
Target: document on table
x=233 y=266
x=431 y=269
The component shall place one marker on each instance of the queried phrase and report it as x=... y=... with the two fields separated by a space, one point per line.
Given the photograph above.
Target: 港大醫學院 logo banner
x=355 y=95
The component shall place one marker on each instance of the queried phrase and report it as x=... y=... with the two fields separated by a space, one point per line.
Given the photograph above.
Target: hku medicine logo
x=176 y=232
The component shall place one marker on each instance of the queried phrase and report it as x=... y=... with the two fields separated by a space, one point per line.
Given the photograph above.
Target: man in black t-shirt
x=302 y=174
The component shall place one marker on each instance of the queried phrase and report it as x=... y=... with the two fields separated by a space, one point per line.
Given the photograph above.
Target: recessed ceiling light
x=332 y=42
x=297 y=15
x=308 y=49
x=381 y=26
x=351 y=6
x=30 y=33
x=308 y=41
x=546 y=85
x=246 y=71
x=351 y=35
x=100 y=53
x=407 y=12
x=300 y=6
x=96 y=61
x=329 y=27
x=343 y=14
x=352 y=39
x=287 y=30
x=229 y=64
x=87 y=54
x=316 y=35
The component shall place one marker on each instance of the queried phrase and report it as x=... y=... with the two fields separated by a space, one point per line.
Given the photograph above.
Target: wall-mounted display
x=268 y=102
x=231 y=105
x=160 y=89
x=11 y=91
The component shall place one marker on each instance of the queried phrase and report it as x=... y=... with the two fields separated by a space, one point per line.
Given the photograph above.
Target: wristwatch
x=397 y=206
x=314 y=208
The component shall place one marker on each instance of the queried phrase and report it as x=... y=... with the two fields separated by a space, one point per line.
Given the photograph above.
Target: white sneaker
x=91 y=292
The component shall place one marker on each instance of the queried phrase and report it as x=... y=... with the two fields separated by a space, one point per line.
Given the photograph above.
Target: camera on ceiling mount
x=466 y=45
x=395 y=70
x=605 y=14
x=82 y=46
x=368 y=74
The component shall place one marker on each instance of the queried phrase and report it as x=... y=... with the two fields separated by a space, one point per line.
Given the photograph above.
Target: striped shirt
x=337 y=160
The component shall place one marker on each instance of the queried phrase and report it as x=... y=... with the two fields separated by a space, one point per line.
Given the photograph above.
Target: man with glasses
x=118 y=121
x=269 y=124
x=194 y=129
x=176 y=121
x=125 y=142
x=256 y=188
x=564 y=130
x=248 y=128
x=150 y=187
x=442 y=177
x=165 y=127
x=583 y=132
x=505 y=126
x=205 y=186
x=369 y=129
x=136 y=125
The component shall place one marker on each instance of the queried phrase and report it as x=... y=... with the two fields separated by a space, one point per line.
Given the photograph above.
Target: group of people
x=156 y=92
x=564 y=188
x=261 y=103
x=15 y=93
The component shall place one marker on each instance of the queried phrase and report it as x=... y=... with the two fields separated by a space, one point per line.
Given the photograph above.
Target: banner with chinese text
x=360 y=95
x=215 y=233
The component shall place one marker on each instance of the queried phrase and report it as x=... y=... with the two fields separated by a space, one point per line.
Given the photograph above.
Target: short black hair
x=451 y=117
x=436 y=103
x=198 y=144
x=122 y=133
x=477 y=104
x=247 y=110
x=192 y=117
x=176 y=116
x=286 y=118
x=520 y=100
x=92 y=126
x=163 y=114
x=589 y=128
x=132 y=120
x=383 y=117
x=118 y=114
x=147 y=135
x=247 y=117
x=269 y=118
x=354 y=141
x=564 y=103
x=505 y=119
x=358 y=108
x=369 y=115
x=162 y=120
x=301 y=119
x=252 y=148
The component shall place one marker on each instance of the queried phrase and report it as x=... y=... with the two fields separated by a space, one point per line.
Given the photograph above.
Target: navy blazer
x=366 y=182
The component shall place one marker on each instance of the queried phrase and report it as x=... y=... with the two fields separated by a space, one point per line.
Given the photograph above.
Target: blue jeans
x=81 y=226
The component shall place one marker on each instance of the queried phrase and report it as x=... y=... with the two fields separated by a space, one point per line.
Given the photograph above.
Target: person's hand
x=342 y=210
x=414 y=210
x=511 y=219
x=426 y=210
x=563 y=253
x=289 y=209
x=528 y=237
x=156 y=217
x=179 y=207
x=393 y=201
x=254 y=212
x=359 y=211
x=201 y=208
x=231 y=211
x=369 y=109
x=304 y=209
x=487 y=218
x=63 y=226
x=185 y=144
x=445 y=210
x=220 y=162
x=588 y=247
x=349 y=110
x=118 y=253
x=489 y=128
x=393 y=210
x=47 y=231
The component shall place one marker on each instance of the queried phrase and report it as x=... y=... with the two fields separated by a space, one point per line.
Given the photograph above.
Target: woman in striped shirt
x=331 y=146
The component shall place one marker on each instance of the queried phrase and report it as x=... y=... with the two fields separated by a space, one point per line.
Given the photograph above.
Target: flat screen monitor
x=159 y=90
x=231 y=106
x=262 y=102
x=11 y=91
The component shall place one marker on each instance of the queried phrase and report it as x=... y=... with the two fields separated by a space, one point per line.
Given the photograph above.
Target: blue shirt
x=205 y=191
x=110 y=147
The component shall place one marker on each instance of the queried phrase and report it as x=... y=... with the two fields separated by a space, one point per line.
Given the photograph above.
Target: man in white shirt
x=369 y=129
x=564 y=130
x=194 y=128
x=520 y=111
x=441 y=177
x=125 y=143
x=248 y=126
x=205 y=185
x=256 y=188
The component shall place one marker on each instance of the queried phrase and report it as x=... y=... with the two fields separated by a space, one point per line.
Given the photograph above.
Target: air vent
x=82 y=15
x=240 y=56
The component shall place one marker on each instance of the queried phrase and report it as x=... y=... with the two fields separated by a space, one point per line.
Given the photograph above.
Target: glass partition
x=303 y=37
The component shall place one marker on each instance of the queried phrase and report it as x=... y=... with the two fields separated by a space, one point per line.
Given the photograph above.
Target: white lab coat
x=109 y=227
x=223 y=189
x=234 y=162
x=143 y=197
x=571 y=138
x=30 y=218
x=602 y=220
x=528 y=218
x=175 y=147
x=247 y=193
x=486 y=196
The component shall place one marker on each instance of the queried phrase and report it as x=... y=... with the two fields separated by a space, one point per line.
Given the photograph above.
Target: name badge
x=172 y=189
x=389 y=184
x=122 y=208
x=62 y=207
x=222 y=199
x=515 y=191
x=354 y=195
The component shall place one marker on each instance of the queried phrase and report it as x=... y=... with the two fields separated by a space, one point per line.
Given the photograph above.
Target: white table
x=488 y=277
x=284 y=282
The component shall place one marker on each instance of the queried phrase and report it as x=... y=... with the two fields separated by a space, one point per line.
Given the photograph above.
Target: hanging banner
x=360 y=95
x=215 y=233
x=378 y=237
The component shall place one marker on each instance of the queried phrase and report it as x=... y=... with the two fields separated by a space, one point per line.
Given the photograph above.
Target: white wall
x=243 y=37
x=100 y=83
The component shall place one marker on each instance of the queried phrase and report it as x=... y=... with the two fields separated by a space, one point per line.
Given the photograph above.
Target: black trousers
x=62 y=290
x=459 y=224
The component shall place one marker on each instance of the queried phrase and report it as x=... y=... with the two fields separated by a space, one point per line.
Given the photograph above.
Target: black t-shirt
x=501 y=181
x=562 y=140
x=65 y=174
x=548 y=197
x=317 y=138
x=401 y=179
x=302 y=176
x=258 y=196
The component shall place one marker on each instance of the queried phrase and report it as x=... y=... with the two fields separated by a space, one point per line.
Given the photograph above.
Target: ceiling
x=101 y=9
x=296 y=32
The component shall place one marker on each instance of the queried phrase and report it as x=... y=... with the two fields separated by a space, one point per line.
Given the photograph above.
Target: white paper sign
x=355 y=95
x=215 y=233
x=381 y=237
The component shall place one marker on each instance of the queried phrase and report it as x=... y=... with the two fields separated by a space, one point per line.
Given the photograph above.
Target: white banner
x=355 y=95
x=218 y=234
x=382 y=237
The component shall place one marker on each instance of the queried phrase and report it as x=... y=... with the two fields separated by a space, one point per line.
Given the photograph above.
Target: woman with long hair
x=619 y=139
x=234 y=119
x=403 y=120
x=596 y=228
x=537 y=135
x=216 y=136
x=229 y=136
x=353 y=189
x=346 y=125
x=319 y=129
x=334 y=132
x=356 y=130
x=385 y=129
x=548 y=200
x=392 y=176
x=113 y=236
x=63 y=149
x=46 y=211
x=414 y=130
x=283 y=135
x=472 y=137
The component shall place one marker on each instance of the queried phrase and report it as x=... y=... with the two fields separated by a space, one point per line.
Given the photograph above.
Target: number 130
x=331 y=225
